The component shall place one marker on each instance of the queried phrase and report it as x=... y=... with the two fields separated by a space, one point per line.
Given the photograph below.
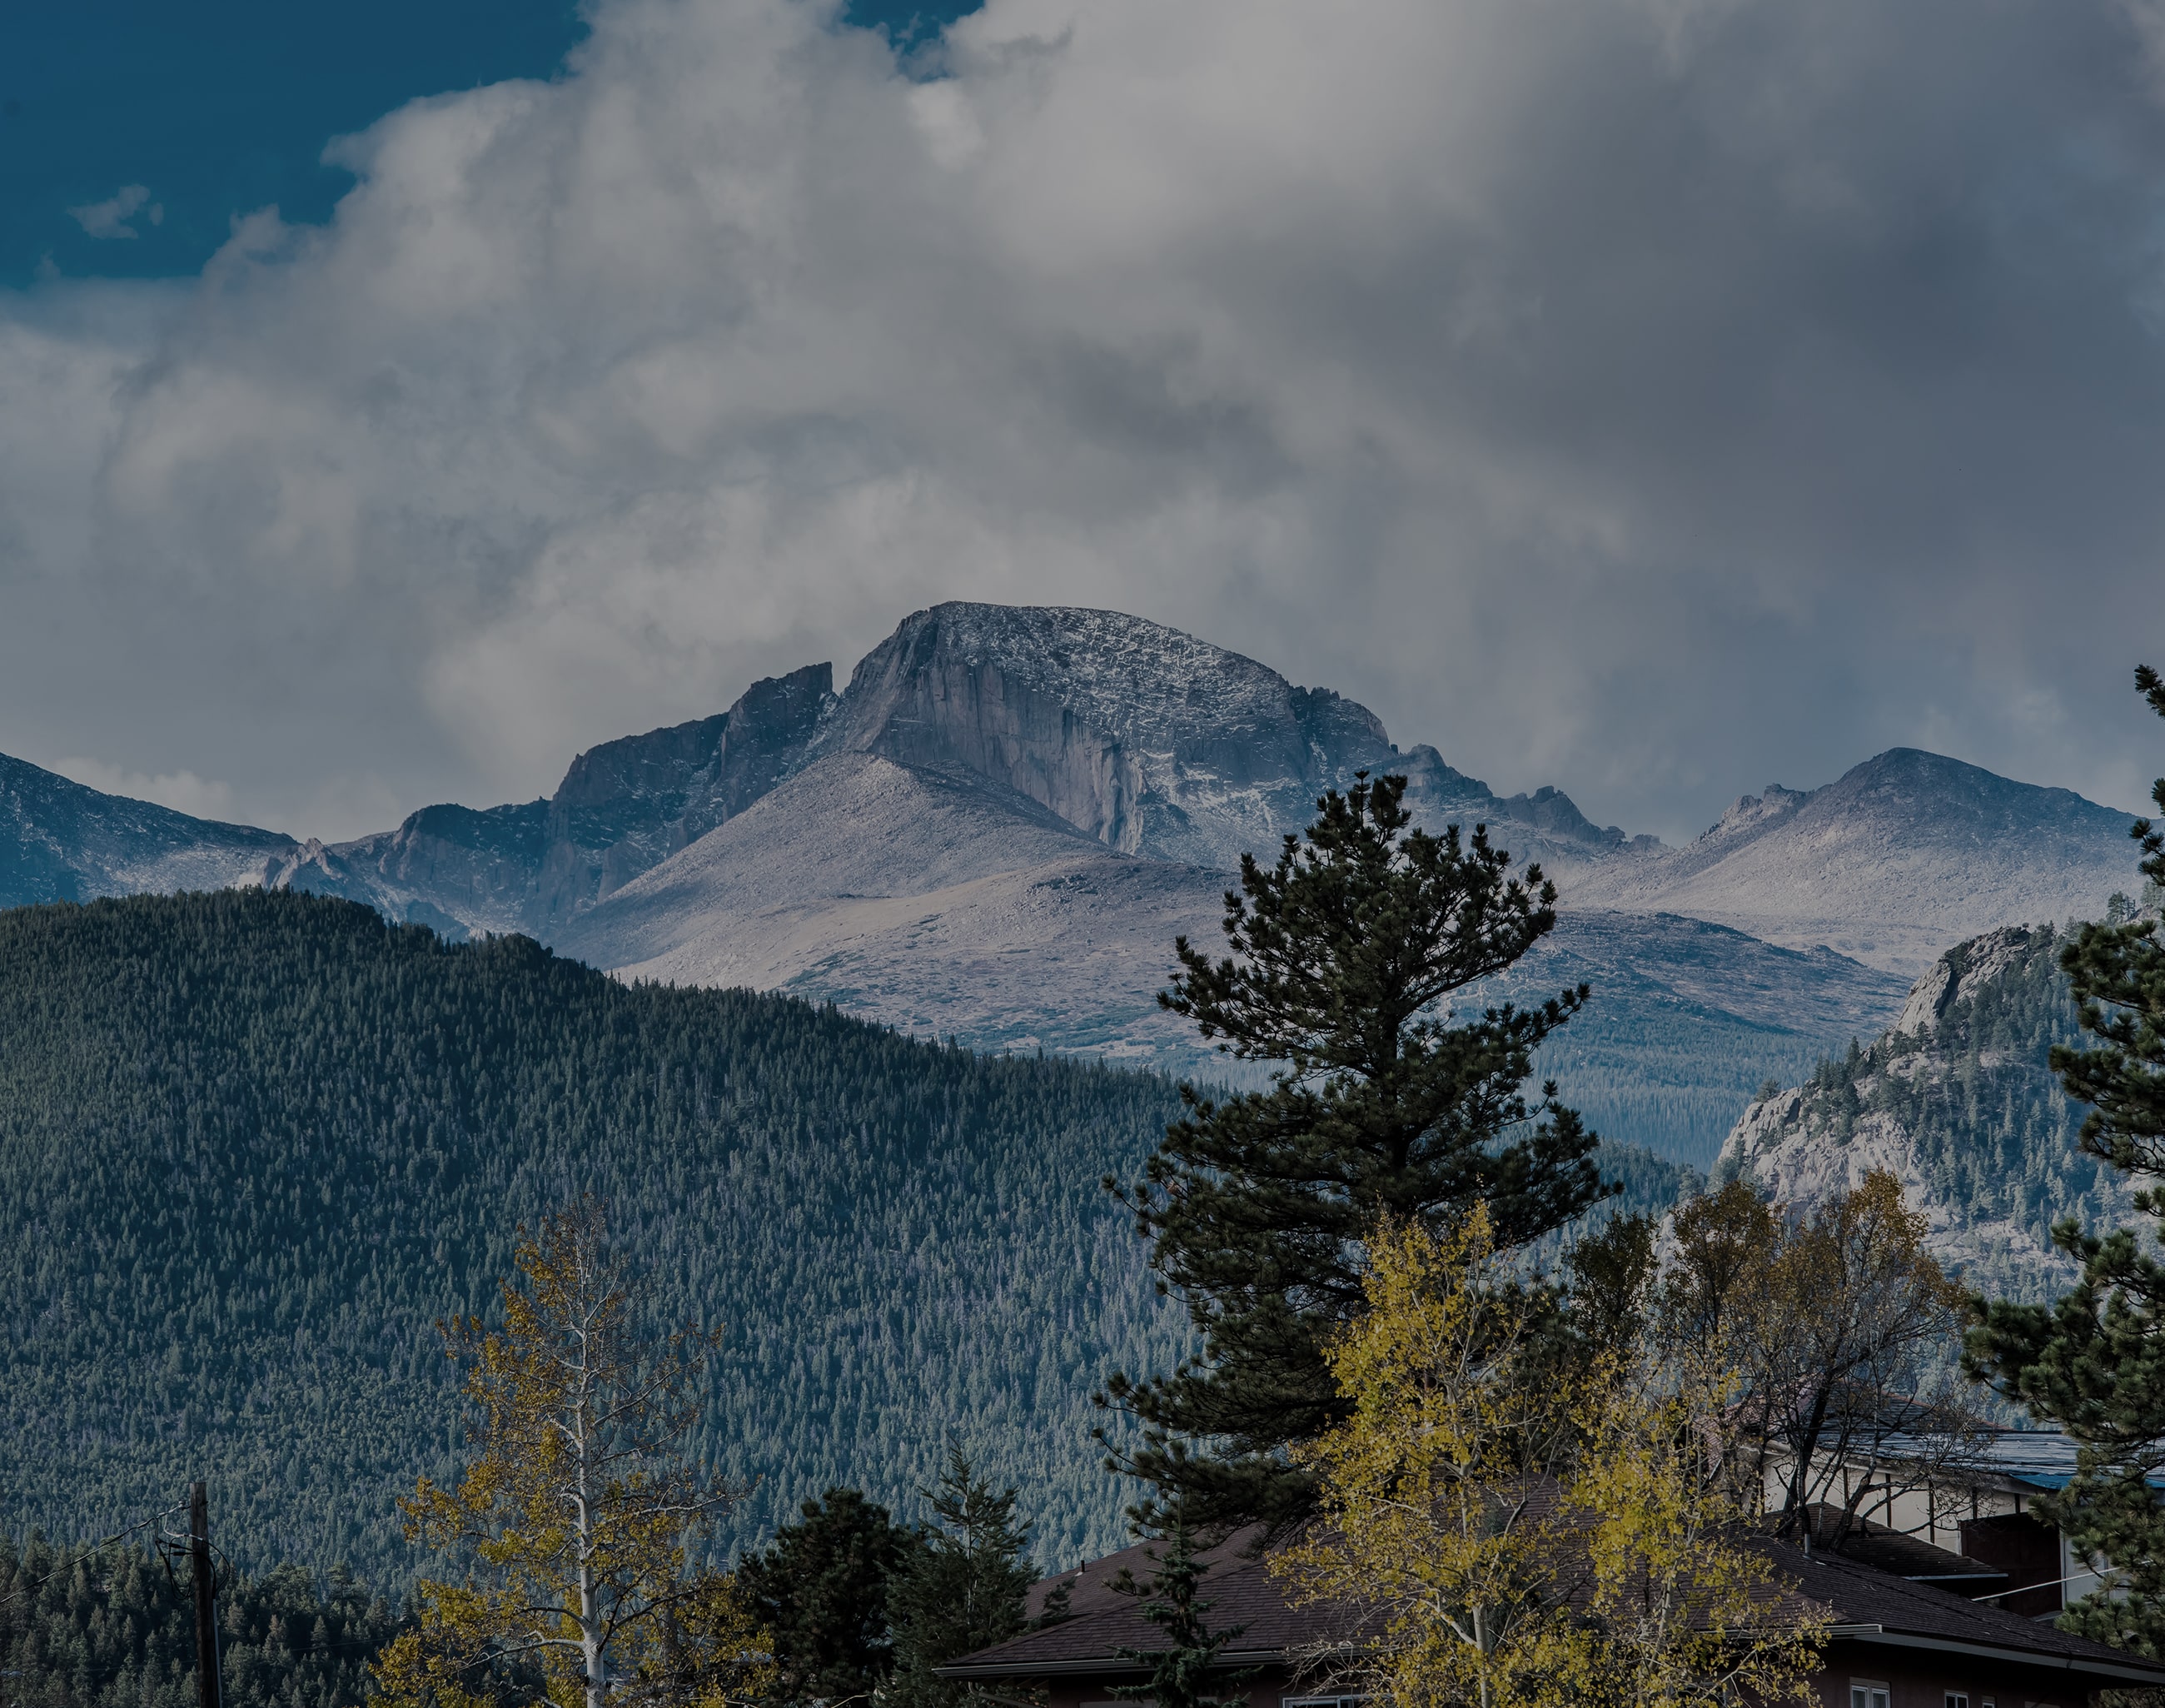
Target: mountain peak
x=1892 y=862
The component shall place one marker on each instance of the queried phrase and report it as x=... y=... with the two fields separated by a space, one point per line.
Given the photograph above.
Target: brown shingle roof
x=1861 y=1601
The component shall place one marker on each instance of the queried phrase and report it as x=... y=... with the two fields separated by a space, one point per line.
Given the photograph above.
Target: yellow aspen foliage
x=573 y=1515
x=1679 y=1609
x=1504 y=1525
x=1440 y=1516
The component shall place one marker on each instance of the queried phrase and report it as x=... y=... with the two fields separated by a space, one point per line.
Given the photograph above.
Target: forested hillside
x=253 y=1146
x=116 y=1629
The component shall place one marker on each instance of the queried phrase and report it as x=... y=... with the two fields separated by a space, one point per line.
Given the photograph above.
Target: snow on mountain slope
x=939 y=903
x=927 y=899
x=60 y=841
x=1906 y=854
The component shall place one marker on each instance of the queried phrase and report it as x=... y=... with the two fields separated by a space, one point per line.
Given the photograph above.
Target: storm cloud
x=1656 y=397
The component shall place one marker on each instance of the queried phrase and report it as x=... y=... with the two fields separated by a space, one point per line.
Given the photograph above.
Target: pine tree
x=2094 y=1360
x=1383 y=1102
x=965 y=1590
x=1182 y=1673
x=823 y=1590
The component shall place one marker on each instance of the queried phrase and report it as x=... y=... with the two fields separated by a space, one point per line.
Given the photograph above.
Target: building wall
x=1919 y=1680
x=1914 y=1680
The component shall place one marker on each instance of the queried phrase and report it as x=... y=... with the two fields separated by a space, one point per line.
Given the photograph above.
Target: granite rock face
x=1148 y=741
x=627 y=805
x=622 y=807
x=1957 y=1101
x=1145 y=739
x=1900 y=858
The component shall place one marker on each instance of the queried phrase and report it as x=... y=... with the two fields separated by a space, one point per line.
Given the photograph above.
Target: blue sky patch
x=132 y=131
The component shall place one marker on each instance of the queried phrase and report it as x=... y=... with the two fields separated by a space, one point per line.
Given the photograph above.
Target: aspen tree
x=574 y=1513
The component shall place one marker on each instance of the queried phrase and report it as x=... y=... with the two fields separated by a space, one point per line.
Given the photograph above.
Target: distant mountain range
x=993 y=831
x=1893 y=864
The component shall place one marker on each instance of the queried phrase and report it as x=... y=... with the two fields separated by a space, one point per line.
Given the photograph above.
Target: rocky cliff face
x=1957 y=1101
x=622 y=807
x=1901 y=856
x=1150 y=741
x=628 y=805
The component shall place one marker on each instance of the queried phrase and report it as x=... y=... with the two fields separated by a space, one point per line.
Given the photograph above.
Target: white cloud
x=1648 y=397
x=109 y=219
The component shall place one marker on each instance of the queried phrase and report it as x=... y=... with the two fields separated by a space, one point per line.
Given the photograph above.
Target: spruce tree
x=965 y=1588
x=2094 y=1360
x=822 y=1589
x=1188 y=1673
x=1383 y=1102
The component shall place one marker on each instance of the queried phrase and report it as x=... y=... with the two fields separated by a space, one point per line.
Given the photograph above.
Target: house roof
x=1862 y=1602
x=1906 y=1555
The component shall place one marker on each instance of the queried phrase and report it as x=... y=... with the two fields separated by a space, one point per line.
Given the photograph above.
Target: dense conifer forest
x=253 y=1146
x=115 y=1628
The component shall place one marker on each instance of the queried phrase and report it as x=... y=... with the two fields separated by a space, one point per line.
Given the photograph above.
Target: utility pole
x=206 y=1629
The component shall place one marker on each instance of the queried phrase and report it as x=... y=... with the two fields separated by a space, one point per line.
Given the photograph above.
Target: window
x=1957 y=1698
x=1864 y=1695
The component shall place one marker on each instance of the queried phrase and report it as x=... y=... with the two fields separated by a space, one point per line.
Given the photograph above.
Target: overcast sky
x=1654 y=397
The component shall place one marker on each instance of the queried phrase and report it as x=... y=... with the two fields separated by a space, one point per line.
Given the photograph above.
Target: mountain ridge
x=1894 y=861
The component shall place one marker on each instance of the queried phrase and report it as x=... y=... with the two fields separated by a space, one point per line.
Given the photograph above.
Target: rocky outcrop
x=455 y=869
x=622 y=807
x=1957 y=1101
x=1151 y=741
x=627 y=805
x=1148 y=739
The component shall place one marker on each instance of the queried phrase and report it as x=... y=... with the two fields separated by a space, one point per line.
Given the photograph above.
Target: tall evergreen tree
x=823 y=1589
x=965 y=1588
x=2094 y=1360
x=1383 y=1102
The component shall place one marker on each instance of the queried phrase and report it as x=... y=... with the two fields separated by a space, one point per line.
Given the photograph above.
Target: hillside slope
x=1957 y=1099
x=936 y=902
x=1902 y=857
x=253 y=1146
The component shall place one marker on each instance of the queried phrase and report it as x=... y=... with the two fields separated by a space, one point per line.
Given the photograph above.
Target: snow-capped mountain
x=1899 y=858
x=1149 y=740
x=995 y=829
x=1146 y=740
